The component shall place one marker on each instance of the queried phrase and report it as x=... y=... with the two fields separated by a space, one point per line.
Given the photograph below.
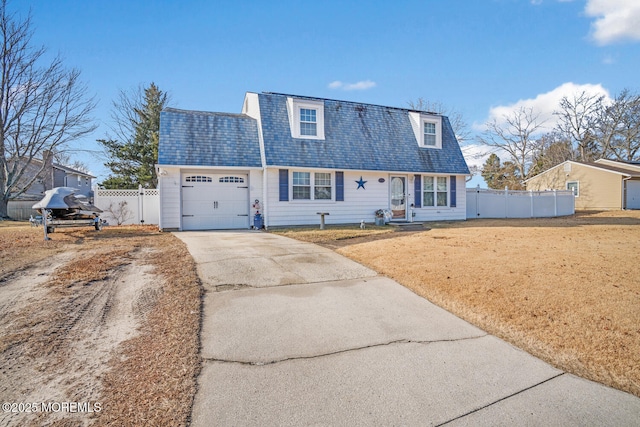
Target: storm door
x=398 y=194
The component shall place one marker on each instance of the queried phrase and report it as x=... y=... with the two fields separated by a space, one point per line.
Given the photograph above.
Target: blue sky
x=479 y=57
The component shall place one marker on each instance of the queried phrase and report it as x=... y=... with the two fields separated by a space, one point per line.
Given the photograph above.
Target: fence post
x=532 y=202
x=506 y=202
x=140 y=204
x=555 y=202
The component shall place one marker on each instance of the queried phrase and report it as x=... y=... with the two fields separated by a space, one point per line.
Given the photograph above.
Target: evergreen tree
x=134 y=153
x=498 y=176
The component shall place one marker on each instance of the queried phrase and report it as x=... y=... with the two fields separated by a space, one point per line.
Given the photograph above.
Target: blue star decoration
x=361 y=184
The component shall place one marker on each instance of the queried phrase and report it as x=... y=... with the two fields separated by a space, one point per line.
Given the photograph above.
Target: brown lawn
x=566 y=290
x=110 y=317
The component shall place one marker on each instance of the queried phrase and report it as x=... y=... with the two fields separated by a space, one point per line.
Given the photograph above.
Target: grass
x=151 y=378
x=331 y=233
x=566 y=290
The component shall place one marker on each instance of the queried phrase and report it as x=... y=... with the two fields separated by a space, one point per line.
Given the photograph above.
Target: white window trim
x=418 y=120
x=312 y=185
x=293 y=109
x=435 y=192
x=577 y=193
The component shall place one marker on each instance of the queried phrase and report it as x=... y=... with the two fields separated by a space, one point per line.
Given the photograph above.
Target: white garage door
x=633 y=194
x=214 y=201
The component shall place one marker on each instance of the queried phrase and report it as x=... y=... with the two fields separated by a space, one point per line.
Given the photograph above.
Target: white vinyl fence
x=140 y=206
x=483 y=203
x=21 y=209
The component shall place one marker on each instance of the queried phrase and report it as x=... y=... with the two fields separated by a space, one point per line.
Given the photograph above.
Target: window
x=434 y=192
x=429 y=134
x=198 y=178
x=308 y=122
x=301 y=186
x=236 y=179
x=306 y=118
x=304 y=182
x=322 y=186
x=574 y=186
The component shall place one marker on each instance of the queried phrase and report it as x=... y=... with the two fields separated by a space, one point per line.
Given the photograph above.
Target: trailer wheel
x=98 y=225
x=50 y=229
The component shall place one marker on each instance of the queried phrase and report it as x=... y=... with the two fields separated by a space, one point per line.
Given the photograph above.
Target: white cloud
x=616 y=20
x=361 y=85
x=544 y=104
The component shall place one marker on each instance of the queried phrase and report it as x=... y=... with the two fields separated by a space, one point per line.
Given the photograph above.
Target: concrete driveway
x=295 y=334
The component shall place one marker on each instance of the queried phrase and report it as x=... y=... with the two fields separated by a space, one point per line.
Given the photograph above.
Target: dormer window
x=306 y=118
x=427 y=129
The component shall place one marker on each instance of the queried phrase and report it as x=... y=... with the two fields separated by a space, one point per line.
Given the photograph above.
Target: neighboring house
x=291 y=157
x=52 y=175
x=602 y=185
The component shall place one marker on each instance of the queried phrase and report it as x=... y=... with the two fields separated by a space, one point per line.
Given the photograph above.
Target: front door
x=398 y=196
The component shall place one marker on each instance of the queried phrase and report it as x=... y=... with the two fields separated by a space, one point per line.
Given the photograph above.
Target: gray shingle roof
x=357 y=136
x=208 y=139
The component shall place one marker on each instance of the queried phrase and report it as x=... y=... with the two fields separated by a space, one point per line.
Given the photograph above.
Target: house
x=602 y=185
x=292 y=157
x=50 y=175
x=47 y=175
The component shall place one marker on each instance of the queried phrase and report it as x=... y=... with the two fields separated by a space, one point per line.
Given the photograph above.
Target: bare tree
x=578 y=118
x=515 y=134
x=64 y=159
x=552 y=149
x=619 y=127
x=42 y=106
x=120 y=212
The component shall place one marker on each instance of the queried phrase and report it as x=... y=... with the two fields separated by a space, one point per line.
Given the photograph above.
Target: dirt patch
x=78 y=312
x=337 y=236
x=566 y=290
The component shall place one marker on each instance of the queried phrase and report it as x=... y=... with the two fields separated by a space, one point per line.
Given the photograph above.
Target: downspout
x=263 y=161
x=265 y=204
x=624 y=192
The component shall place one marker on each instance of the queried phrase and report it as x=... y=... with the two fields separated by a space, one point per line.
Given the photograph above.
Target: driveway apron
x=295 y=334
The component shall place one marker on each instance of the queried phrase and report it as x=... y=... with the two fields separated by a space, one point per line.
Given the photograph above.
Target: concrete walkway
x=295 y=334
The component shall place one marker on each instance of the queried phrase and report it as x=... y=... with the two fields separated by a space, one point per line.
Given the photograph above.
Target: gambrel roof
x=356 y=136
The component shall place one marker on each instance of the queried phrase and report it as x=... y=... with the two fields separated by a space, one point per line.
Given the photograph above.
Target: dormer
x=306 y=118
x=427 y=129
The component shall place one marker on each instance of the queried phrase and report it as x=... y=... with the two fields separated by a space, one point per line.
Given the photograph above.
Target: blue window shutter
x=284 y=185
x=339 y=186
x=452 y=191
x=417 y=191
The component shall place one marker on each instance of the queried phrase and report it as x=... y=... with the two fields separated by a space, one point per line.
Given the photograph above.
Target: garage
x=633 y=194
x=215 y=201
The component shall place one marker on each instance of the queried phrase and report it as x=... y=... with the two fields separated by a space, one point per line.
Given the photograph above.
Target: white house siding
x=359 y=204
x=447 y=213
x=169 y=186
